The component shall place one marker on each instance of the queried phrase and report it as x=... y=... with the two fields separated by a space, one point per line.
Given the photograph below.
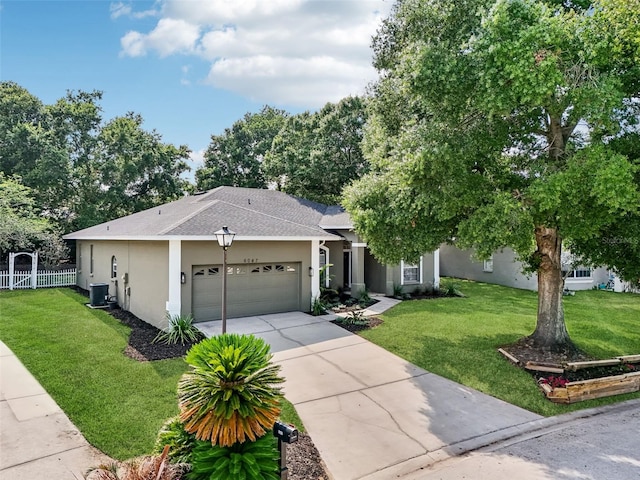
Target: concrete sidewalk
x=37 y=440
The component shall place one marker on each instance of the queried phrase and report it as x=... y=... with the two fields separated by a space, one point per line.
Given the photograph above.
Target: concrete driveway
x=370 y=413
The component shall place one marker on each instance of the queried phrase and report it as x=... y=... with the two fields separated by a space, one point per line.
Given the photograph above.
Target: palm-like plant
x=232 y=393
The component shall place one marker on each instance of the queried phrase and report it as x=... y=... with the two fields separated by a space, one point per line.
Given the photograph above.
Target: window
x=114 y=267
x=324 y=267
x=487 y=265
x=580 y=273
x=279 y=268
x=91 y=259
x=199 y=272
x=213 y=270
x=411 y=274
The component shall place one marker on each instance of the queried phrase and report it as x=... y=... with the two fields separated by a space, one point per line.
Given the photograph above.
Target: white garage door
x=252 y=289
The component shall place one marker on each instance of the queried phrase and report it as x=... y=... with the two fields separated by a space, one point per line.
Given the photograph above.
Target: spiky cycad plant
x=232 y=394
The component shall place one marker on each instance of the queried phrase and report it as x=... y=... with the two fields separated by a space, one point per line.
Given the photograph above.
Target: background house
x=503 y=268
x=167 y=259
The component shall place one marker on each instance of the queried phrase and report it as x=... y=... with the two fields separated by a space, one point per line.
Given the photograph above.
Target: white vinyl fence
x=42 y=279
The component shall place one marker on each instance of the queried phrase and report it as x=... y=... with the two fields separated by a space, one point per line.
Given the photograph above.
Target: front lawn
x=458 y=338
x=76 y=354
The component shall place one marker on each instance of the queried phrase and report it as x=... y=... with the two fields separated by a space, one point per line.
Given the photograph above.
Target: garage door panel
x=251 y=290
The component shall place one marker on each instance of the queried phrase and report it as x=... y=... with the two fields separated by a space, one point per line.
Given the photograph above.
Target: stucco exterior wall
x=140 y=285
x=507 y=271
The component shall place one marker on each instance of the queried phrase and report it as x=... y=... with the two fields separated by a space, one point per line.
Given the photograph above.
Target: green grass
x=76 y=353
x=458 y=338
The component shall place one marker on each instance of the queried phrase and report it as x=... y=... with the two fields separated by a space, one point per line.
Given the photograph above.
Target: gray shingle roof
x=249 y=212
x=336 y=217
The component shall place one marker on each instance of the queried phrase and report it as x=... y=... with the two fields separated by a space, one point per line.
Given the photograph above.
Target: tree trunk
x=551 y=331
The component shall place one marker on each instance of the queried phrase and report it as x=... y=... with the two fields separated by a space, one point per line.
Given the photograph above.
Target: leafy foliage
x=354 y=317
x=82 y=171
x=232 y=393
x=22 y=229
x=181 y=443
x=180 y=329
x=318 y=307
x=235 y=157
x=315 y=155
x=256 y=460
x=493 y=123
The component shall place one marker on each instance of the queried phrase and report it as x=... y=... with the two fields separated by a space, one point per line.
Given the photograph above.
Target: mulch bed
x=525 y=352
x=366 y=324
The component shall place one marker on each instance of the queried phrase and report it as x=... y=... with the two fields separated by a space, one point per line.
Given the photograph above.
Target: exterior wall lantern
x=311 y=271
x=225 y=239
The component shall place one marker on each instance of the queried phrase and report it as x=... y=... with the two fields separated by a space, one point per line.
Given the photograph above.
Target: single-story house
x=503 y=268
x=167 y=258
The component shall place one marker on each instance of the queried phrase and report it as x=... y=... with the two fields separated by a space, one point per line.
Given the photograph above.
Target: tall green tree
x=491 y=125
x=22 y=227
x=136 y=169
x=235 y=157
x=316 y=155
x=32 y=149
x=80 y=170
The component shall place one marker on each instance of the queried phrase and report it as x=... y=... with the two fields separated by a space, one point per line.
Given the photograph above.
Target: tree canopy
x=22 y=228
x=315 y=155
x=310 y=155
x=492 y=125
x=235 y=157
x=81 y=171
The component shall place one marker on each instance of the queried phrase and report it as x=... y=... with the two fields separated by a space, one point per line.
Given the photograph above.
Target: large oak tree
x=492 y=123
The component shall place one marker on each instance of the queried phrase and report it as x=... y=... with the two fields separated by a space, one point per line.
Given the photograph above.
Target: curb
x=495 y=440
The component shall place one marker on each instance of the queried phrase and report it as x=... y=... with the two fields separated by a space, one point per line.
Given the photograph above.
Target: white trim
x=487 y=265
x=413 y=265
x=436 y=268
x=578 y=279
x=202 y=238
x=173 y=305
x=315 y=265
x=358 y=245
x=325 y=249
x=337 y=227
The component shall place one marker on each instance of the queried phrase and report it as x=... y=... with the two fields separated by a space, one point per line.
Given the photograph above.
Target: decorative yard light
x=225 y=239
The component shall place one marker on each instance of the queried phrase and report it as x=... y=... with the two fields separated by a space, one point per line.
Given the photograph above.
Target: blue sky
x=191 y=67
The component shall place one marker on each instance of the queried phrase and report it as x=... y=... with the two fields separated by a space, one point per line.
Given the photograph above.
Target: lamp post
x=225 y=239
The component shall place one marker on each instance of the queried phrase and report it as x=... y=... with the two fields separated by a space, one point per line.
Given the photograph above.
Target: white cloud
x=121 y=9
x=302 y=52
x=307 y=82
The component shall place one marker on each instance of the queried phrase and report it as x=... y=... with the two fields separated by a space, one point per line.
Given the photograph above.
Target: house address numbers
x=250 y=260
